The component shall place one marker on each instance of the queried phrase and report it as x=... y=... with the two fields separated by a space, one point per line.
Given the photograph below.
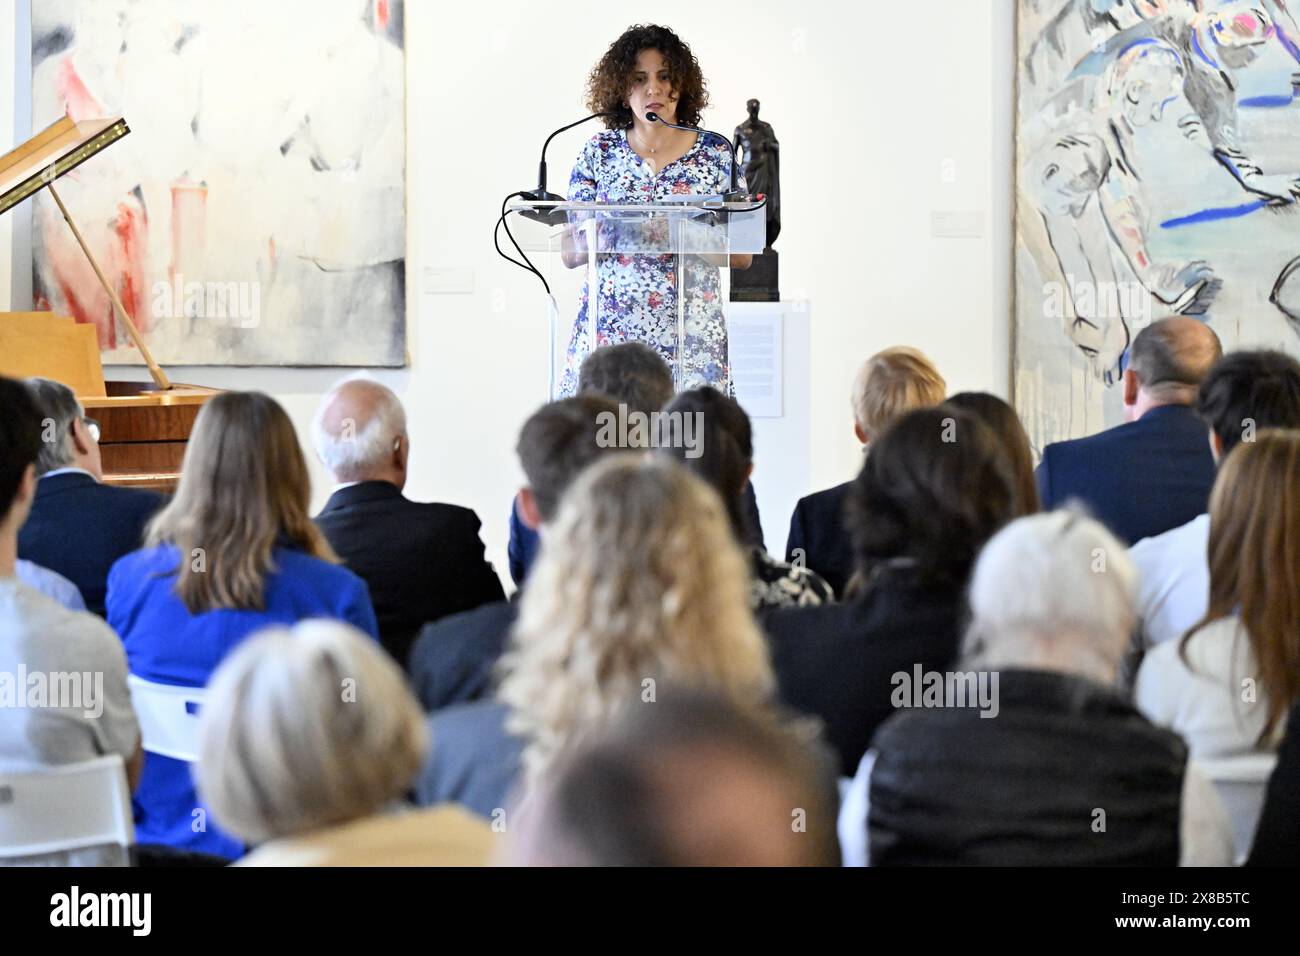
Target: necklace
x=650 y=160
x=644 y=144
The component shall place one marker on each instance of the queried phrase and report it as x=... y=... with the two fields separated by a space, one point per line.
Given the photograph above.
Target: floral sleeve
x=582 y=181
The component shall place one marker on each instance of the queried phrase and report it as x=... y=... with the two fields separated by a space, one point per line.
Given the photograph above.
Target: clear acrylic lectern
x=657 y=274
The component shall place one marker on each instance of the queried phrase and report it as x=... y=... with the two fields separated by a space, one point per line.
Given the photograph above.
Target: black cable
x=496 y=241
x=505 y=224
x=527 y=263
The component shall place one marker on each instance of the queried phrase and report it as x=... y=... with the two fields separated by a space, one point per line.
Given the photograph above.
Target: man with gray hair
x=1069 y=772
x=421 y=561
x=1154 y=472
x=79 y=526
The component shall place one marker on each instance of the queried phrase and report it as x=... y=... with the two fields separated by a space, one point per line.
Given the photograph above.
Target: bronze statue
x=759 y=153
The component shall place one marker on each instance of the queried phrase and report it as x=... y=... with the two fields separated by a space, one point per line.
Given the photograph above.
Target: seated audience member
x=78 y=526
x=452 y=660
x=1154 y=472
x=639 y=582
x=38 y=636
x=1067 y=772
x=891 y=382
x=935 y=487
x=636 y=376
x=1006 y=425
x=691 y=780
x=233 y=552
x=631 y=374
x=421 y=561
x=722 y=453
x=50 y=583
x=1277 y=837
x=1244 y=393
x=1228 y=684
x=308 y=743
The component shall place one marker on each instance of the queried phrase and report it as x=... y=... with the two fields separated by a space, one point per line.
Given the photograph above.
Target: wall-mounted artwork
x=1158 y=173
x=256 y=213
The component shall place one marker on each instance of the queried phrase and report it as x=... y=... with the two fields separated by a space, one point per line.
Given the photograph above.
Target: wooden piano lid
x=58 y=347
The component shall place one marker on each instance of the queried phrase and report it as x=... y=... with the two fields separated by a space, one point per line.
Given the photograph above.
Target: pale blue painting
x=1158 y=173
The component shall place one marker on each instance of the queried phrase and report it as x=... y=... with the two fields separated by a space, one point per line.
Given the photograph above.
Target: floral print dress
x=637 y=293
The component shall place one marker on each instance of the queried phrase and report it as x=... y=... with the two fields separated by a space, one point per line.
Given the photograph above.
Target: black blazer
x=79 y=527
x=817 y=528
x=421 y=561
x=451 y=660
x=1139 y=479
x=837 y=661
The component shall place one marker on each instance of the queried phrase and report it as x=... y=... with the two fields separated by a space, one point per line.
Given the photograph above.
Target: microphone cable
x=526 y=264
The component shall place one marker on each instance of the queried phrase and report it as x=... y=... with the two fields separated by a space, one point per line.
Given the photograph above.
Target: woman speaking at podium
x=637 y=161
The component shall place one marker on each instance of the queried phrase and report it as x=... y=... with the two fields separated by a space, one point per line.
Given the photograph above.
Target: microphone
x=732 y=195
x=541 y=193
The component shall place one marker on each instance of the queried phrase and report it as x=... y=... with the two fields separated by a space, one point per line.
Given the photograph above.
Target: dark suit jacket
x=1139 y=479
x=421 y=561
x=837 y=661
x=524 y=541
x=451 y=660
x=817 y=528
x=1277 y=837
x=473 y=760
x=79 y=527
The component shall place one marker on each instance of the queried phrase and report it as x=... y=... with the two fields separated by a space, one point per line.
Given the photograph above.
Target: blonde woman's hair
x=639 y=580
x=244 y=489
x=891 y=383
x=306 y=727
x=1254 y=558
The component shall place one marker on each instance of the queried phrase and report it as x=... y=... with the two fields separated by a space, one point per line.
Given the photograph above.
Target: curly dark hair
x=610 y=78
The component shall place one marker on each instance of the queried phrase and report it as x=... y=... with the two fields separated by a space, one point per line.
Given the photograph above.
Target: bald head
x=360 y=433
x=1168 y=361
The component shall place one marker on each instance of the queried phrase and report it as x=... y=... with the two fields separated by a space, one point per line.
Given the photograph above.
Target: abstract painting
x=1157 y=174
x=256 y=214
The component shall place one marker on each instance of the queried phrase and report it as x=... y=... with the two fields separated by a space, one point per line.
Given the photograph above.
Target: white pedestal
x=770 y=360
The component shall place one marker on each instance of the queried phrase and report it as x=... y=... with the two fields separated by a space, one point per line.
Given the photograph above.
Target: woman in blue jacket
x=234 y=552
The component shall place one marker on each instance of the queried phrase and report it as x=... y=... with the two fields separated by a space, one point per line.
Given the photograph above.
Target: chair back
x=169 y=717
x=1241 y=783
x=50 y=811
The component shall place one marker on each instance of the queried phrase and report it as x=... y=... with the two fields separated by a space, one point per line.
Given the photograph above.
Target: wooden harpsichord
x=143 y=425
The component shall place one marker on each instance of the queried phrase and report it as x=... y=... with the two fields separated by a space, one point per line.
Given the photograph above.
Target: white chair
x=169 y=717
x=1241 y=783
x=50 y=813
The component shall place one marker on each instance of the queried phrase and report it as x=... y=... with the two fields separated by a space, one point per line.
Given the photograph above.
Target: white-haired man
x=421 y=561
x=1068 y=771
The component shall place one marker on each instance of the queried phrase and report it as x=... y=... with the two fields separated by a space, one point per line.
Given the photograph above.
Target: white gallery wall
x=896 y=140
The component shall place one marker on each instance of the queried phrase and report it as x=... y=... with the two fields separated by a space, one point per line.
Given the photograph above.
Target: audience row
x=990 y=681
